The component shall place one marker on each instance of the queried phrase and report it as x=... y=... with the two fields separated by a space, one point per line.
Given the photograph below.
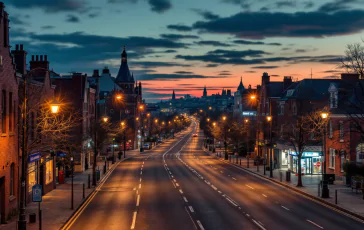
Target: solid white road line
x=134 y=220
x=258 y=224
x=191 y=209
x=138 y=200
x=181 y=191
x=185 y=199
x=284 y=207
x=200 y=225
x=234 y=178
x=314 y=224
x=264 y=195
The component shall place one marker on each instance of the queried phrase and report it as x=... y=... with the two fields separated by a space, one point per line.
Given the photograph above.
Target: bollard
x=89 y=181
x=335 y=196
x=105 y=168
x=240 y=161
x=280 y=176
x=318 y=190
x=40 y=219
x=83 y=190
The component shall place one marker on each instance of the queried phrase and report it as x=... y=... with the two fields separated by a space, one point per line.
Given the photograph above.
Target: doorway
x=2 y=200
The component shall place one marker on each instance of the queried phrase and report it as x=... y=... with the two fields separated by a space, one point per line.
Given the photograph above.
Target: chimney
x=20 y=59
x=39 y=62
x=95 y=73
x=350 y=76
x=287 y=81
x=265 y=78
x=105 y=71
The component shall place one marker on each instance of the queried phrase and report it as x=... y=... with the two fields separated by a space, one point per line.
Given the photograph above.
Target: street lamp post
x=247 y=143
x=325 y=187
x=269 y=119
x=113 y=151
x=72 y=194
x=225 y=144
x=124 y=132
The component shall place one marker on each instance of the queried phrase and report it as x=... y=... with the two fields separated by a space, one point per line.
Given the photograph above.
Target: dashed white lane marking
x=140 y=186
x=137 y=192
x=138 y=200
x=177 y=184
x=191 y=209
x=228 y=175
x=185 y=199
x=200 y=225
x=134 y=189
x=249 y=186
x=134 y=220
x=213 y=186
x=181 y=191
x=219 y=191
x=140 y=180
x=234 y=178
x=141 y=172
x=174 y=180
x=285 y=208
x=258 y=224
x=314 y=224
x=221 y=171
x=264 y=195
x=231 y=201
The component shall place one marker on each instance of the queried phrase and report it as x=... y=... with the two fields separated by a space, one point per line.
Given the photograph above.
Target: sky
x=187 y=44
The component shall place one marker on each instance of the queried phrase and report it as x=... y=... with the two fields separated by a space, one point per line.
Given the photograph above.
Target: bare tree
x=353 y=61
x=306 y=130
x=236 y=134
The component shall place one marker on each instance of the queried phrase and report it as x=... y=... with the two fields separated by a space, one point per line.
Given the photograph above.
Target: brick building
x=8 y=124
x=75 y=89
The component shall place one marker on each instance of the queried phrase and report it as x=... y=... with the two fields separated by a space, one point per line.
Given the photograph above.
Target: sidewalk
x=56 y=205
x=346 y=198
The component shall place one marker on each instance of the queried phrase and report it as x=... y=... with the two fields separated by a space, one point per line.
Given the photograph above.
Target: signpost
x=37 y=197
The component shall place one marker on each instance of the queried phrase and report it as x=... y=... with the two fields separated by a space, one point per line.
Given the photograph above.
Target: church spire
x=173 y=96
x=124 y=56
x=241 y=87
x=204 y=92
x=124 y=72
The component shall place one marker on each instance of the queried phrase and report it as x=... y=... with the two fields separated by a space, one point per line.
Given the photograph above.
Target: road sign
x=37 y=193
x=318 y=163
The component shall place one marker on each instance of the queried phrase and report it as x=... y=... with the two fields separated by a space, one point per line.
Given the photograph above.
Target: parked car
x=146 y=146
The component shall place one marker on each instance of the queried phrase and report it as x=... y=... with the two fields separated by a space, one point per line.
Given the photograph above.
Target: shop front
x=33 y=173
x=311 y=162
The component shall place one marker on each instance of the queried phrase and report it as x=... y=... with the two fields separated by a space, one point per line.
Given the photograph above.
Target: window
x=49 y=171
x=289 y=92
x=332 y=158
x=342 y=161
x=3 y=111
x=6 y=33
x=341 y=131
x=281 y=109
x=330 y=129
x=11 y=121
x=32 y=175
x=1 y=60
x=360 y=153
x=12 y=179
x=333 y=100
x=294 y=109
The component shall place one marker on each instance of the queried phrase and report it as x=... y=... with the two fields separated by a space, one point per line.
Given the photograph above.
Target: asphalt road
x=178 y=186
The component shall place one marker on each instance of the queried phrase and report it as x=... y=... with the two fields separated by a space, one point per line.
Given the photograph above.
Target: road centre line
x=134 y=220
x=314 y=224
x=264 y=195
x=200 y=225
x=284 y=207
x=249 y=186
x=140 y=186
x=185 y=199
x=138 y=200
x=258 y=224
x=191 y=209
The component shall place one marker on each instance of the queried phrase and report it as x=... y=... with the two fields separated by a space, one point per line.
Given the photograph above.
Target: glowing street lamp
x=224 y=118
x=122 y=124
x=119 y=96
x=105 y=118
x=156 y=120
x=269 y=118
x=214 y=124
x=208 y=119
x=253 y=97
x=324 y=114
x=55 y=106
x=246 y=120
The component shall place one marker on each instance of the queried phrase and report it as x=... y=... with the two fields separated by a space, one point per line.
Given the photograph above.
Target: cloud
x=159 y=6
x=336 y=5
x=174 y=76
x=250 y=71
x=17 y=21
x=237 y=53
x=246 y=42
x=93 y=15
x=48 y=27
x=300 y=51
x=243 y=3
x=50 y=6
x=212 y=65
x=212 y=43
x=279 y=24
x=281 y=4
x=183 y=72
x=170 y=51
x=286 y=48
x=206 y=14
x=179 y=27
x=72 y=18
x=264 y=8
x=154 y=64
x=308 y=4
x=265 y=67
x=178 y=36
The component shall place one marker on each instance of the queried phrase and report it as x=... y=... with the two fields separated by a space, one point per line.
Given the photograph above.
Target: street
x=179 y=186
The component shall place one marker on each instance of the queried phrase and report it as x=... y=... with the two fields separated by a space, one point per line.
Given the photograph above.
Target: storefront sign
x=34 y=157
x=61 y=154
x=307 y=154
x=37 y=193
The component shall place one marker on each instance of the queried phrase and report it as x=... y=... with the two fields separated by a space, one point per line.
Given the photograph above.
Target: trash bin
x=61 y=177
x=141 y=150
x=32 y=217
x=288 y=176
x=97 y=175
